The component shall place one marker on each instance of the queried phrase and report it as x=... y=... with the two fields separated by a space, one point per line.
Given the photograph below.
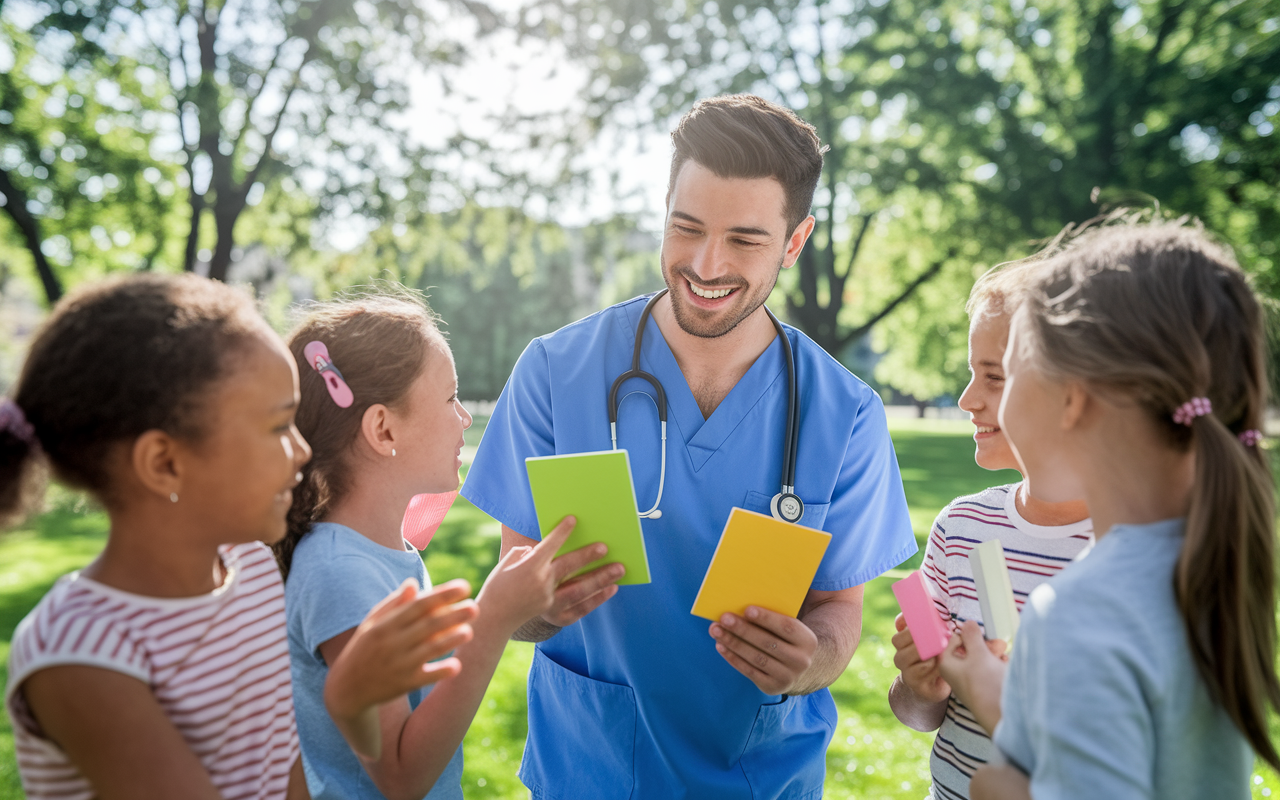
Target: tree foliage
x=76 y=176
x=966 y=129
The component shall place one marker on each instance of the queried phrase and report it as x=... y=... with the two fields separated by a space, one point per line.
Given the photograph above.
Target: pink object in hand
x=926 y=625
x=423 y=517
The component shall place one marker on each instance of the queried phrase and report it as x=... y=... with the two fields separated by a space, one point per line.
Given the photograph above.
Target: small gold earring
x=173 y=497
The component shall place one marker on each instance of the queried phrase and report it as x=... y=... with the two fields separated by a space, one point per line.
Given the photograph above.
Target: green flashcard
x=596 y=489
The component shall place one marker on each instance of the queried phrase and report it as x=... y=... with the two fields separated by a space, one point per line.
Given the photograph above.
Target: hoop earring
x=173 y=497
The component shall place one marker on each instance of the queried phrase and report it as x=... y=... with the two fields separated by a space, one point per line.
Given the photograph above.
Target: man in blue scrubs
x=630 y=695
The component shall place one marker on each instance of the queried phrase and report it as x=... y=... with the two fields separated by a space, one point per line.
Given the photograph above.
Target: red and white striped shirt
x=218 y=664
x=1034 y=553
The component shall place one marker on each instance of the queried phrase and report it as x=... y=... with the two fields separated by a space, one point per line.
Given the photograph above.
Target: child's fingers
x=395 y=602
x=952 y=651
x=971 y=633
x=442 y=644
x=441 y=621
x=902 y=639
x=900 y=622
x=546 y=549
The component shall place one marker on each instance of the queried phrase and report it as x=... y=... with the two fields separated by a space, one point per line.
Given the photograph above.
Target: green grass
x=871 y=756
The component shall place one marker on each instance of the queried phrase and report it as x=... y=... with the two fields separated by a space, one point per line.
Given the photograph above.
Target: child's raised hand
x=975 y=669
x=391 y=652
x=923 y=678
x=524 y=583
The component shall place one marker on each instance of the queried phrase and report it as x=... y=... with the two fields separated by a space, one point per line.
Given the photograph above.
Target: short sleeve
x=934 y=567
x=521 y=426
x=1074 y=712
x=868 y=520
x=331 y=594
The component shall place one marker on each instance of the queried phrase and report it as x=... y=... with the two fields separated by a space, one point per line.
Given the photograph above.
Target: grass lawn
x=872 y=755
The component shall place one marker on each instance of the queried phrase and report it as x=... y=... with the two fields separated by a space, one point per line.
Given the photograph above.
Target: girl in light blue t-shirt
x=379 y=406
x=1135 y=378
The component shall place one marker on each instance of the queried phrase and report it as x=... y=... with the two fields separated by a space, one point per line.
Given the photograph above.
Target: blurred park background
x=510 y=158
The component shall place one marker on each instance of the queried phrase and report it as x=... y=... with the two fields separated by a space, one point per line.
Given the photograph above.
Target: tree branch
x=924 y=277
x=16 y=207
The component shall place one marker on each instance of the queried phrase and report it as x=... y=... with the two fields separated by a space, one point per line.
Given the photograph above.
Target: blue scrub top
x=633 y=701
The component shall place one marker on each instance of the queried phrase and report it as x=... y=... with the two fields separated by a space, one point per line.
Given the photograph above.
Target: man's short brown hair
x=744 y=136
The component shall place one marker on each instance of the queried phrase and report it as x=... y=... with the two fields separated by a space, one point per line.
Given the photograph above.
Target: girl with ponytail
x=1136 y=380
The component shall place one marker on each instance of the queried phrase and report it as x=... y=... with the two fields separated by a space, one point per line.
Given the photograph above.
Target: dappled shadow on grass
x=936 y=468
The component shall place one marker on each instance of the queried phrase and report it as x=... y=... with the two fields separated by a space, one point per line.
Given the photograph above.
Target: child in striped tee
x=1038 y=539
x=161 y=669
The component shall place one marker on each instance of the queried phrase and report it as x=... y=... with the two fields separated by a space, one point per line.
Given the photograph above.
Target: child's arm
x=918 y=695
x=975 y=669
x=391 y=653
x=1000 y=782
x=418 y=745
x=297 y=783
x=112 y=728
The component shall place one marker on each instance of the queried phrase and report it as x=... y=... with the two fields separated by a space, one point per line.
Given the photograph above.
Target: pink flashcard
x=926 y=625
x=423 y=517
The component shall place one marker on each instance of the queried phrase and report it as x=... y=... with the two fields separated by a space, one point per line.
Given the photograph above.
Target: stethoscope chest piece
x=786 y=507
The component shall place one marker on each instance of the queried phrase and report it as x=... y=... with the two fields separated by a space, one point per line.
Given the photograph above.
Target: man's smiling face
x=724 y=242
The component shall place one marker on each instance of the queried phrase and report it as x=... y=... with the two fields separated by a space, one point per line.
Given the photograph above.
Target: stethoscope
x=785 y=505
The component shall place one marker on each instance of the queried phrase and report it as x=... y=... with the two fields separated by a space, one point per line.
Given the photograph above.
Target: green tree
x=999 y=119
x=253 y=91
x=499 y=277
x=77 y=182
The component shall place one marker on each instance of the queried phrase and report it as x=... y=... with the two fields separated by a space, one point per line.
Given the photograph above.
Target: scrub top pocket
x=785 y=757
x=814 y=513
x=584 y=713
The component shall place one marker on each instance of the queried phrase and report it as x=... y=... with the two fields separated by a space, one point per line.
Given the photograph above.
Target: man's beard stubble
x=687 y=317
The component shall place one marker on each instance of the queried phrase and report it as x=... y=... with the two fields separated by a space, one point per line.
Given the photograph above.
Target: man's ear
x=157 y=462
x=796 y=242
x=376 y=428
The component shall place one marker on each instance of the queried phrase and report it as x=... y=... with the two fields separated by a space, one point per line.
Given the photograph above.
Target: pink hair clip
x=1188 y=411
x=1251 y=437
x=15 y=422
x=318 y=357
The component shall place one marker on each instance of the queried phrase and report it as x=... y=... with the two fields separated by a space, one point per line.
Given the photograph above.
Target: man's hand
x=771 y=649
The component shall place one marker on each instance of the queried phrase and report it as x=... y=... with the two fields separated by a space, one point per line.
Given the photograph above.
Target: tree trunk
x=16 y=206
x=224 y=217
x=193 y=237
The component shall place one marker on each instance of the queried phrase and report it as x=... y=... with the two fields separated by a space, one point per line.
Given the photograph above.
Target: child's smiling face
x=988 y=336
x=433 y=420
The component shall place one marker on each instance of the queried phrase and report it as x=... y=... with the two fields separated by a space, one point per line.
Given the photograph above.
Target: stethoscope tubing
x=793 y=413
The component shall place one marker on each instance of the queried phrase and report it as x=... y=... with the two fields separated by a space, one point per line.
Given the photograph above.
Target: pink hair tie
x=1188 y=411
x=1250 y=438
x=15 y=422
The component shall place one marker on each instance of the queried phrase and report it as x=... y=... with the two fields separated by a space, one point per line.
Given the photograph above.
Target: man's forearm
x=535 y=630
x=837 y=642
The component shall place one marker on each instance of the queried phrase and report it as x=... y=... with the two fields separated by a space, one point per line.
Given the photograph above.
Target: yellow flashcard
x=760 y=561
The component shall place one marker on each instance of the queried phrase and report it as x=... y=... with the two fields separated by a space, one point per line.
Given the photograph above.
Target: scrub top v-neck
x=633 y=701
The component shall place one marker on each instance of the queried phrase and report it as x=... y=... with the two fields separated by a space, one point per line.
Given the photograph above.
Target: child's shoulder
x=79 y=622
